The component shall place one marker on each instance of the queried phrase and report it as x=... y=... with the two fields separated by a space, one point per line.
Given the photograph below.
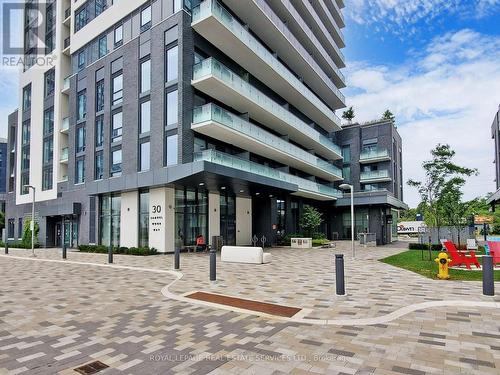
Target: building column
x=243 y=221
x=129 y=219
x=162 y=219
x=213 y=216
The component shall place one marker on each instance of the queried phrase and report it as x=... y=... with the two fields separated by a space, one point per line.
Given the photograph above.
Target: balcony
x=67 y=45
x=218 y=26
x=215 y=122
x=67 y=16
x=381 y=175
x=374 y=156
x=64 y=125
x=305 y=188
x=66 y=85
x=64 y=157
x=214 y=79
x=259 y=16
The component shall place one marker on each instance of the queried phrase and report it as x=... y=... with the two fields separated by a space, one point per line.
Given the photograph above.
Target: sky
x=434 y=63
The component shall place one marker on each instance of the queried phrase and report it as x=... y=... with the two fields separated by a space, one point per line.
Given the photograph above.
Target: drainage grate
x=263 y=307
x=91 y=368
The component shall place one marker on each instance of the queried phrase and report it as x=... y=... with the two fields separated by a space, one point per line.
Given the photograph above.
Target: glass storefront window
x=110 y=209
x=228 y=219
x=191 y=216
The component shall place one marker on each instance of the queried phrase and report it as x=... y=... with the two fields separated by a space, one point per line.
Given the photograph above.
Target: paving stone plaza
x=133 y=316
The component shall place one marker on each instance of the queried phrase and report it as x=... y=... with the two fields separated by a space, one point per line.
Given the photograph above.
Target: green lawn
x=412 y=261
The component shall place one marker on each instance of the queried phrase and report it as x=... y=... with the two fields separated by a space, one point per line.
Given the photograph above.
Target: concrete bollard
x=488 y=281
x=213 y=265
x=339 y=274
x=177 y=259
x=110 y=254
x=6 y=248
x=64 y=249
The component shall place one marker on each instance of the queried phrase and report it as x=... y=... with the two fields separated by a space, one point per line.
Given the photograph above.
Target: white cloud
x=449 y=93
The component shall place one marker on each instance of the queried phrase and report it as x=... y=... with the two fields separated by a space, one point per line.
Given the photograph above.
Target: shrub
x=287 y=238
x=143 y=251
x=320 y=242
x=418 y=246
x=19 y=245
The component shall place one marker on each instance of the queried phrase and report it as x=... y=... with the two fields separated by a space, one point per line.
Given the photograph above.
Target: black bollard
x=110 y=254
x=64 y=249
x=213 y=265
x=339 y=274
x=177 y=258
x=488 y=284
x=6 y=248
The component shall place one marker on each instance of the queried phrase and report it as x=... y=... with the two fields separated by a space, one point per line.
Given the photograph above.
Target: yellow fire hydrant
x=442 y=260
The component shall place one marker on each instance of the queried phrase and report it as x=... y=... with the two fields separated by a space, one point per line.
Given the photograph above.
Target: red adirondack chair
x=495 y=251
x=458 y=258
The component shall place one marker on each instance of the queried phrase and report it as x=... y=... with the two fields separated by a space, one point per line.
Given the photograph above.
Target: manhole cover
x=263 y=307
x=91 y=368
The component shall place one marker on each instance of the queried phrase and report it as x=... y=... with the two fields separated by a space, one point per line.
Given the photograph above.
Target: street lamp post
x=351 y=188
x=32 y=225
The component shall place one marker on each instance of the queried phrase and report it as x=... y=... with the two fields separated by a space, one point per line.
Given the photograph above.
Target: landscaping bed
x=101 y=249
x=411 y=260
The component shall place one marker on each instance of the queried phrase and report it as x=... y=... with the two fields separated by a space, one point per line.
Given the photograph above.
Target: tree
x=388 y=115
x=453 y=210
x=348 y=114
x=310 y=220
x=439 y=171
x=26 y=240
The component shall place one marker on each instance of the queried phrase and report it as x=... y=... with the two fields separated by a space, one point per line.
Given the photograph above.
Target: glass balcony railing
x=213 y=8
x=231 y=161
x=374 y=175
x=65 y=125
x=64 y=154
x=374 y=154
x=212 y=67
x=212 y=112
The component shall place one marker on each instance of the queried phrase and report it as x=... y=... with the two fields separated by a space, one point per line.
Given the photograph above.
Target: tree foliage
x=348 y=114
x=26 y=241
x=442 y=183
x=310 y=220
x=388 y=115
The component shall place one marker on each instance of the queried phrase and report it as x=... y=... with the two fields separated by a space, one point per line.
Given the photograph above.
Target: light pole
x=351 y=188
x=32 y=224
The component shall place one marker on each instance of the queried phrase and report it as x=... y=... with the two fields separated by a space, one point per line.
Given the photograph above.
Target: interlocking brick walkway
x=56 y=317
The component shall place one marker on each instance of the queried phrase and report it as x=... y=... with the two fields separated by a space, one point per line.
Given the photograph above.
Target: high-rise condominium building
x=163 y=120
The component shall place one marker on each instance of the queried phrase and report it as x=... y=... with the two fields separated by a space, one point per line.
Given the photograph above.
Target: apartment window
x=48 y=151
x=47 y=178
x=145 y=125
x=103 y=46
x=346 y=154
x=346 y=173
x=19 y=228
x=81 y=105
x=116 y=163
x=27 y=97
x=144 y=218
x=145 y=76
x=80 y=171
x=81 y=60
x=172 y=63
x=146 y=18
x=49 y=82
x=99 y=166
x=50 y=43
x=117 y=89
x=100 y=6
x=172 y=108
x=48 y=122
x=99 y=96
x=99 y=131
x=145 y=156
x=25 y=159
x=81 y=18
x=116 y=129
x=118 y=36
x=25 y=181
x=80 y=139
x=10 y=228
x=26 y=131
x=172 y=149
